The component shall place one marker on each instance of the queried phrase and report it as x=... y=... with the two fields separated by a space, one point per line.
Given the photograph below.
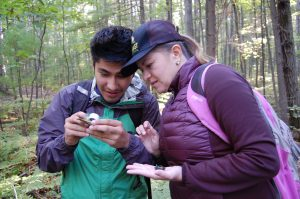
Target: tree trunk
x=131 y=14
x=3 y=88
x=298 y=18
x=298 y=35
x=20 y=89
x=237 y=30
x=169 y=10
x=241 y=40
x=201 y=26
x=270 y=60
x=188 y=18
x=225 y=50
x=12 y=80
x=142 y=12
x=1 y=56
x=211 y=28
x=19 y=80
x=1 y=126
x=181 y=13
x=104 y=9
x=231 y=50
x=36 y=83
x=119 y=14
x=256 y=36
x=288 y=51
x=63 y=43
x=283 y=106
x=262 y=63
x=151 y=8
x=36 y=72
x=196 y=12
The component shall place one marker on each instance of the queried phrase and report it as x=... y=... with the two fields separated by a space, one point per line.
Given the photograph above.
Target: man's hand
x=149 y=137
x=110 y=131
x=75 y=129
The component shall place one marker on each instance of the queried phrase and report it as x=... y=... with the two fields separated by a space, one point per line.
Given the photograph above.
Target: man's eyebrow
x=102 y=70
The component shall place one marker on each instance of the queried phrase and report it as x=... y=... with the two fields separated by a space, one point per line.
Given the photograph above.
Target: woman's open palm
x=173 y=173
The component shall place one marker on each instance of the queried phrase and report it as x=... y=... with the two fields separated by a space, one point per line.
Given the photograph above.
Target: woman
x=198 y=163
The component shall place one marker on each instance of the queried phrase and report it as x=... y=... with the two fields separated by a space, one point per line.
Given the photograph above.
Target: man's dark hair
x=112 y=43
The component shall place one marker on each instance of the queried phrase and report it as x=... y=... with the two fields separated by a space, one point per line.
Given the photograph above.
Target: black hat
x=149 y=35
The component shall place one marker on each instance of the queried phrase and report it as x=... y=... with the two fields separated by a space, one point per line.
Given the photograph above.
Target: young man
x=93 y=157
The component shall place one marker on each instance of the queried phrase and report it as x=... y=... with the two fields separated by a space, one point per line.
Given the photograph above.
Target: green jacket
x=98 y=170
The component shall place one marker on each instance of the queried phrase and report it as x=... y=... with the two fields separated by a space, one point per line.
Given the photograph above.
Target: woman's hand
x=173 y=173
x=149 y=137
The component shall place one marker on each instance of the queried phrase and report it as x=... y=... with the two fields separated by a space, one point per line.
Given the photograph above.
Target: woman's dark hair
x=112 y=44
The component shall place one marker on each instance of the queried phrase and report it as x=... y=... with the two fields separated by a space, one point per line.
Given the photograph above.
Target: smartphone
x=85 y=120
x=89 y=118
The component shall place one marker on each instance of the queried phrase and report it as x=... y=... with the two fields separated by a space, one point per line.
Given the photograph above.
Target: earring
x=177 y=62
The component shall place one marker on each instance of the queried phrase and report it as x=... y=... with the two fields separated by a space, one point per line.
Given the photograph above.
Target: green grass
x=160 y=189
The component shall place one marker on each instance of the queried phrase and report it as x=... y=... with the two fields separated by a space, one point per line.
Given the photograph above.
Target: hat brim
x=138 y=56
x=129 y=70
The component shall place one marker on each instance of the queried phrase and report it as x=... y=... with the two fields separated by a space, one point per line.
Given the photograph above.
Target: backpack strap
x=198 y=102
x=82 y=96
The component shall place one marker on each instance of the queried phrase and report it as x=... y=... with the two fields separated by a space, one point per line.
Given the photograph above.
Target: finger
x=84 y=122
x=162 y=175
x=101 y=128
x=108 y=122
x=149 y=128
x=77 y=133
x=140 y=169
x=107 y=141
x=134 y=166
x=146 y=167
x=137 y=130
x=99 y=134
x=141 y=130
x=75 y=119
x=80 y=114
x=107 y=129
x=93 y=133
x=147 y=125
x=143 y=172
x=75 y=127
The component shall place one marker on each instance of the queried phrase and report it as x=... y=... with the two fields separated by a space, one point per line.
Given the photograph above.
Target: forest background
x=44 y=45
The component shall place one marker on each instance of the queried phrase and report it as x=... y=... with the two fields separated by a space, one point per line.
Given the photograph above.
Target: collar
x=134 y=89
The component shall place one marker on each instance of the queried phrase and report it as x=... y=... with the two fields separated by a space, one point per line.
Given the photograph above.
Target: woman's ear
x=176 y=51
x=177 y=55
